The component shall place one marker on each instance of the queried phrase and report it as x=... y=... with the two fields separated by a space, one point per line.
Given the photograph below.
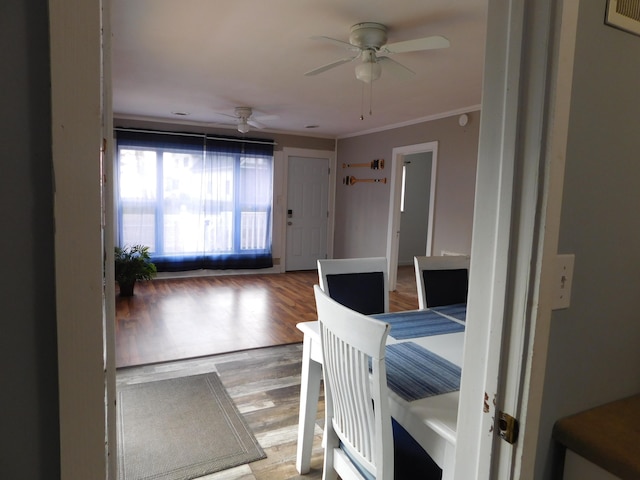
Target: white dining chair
x=361 y=284
x=441 y=280
x=359 y=436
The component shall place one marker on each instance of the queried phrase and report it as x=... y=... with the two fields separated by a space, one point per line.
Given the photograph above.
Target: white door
x=307 y=212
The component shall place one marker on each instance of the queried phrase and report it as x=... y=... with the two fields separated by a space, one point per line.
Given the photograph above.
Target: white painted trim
x=305 y=152
x=561 y=77
x=415 y=121
x=393 y=228
x=491 y=241
x=109 y=209
x=513 y=248
x=281 y=161
x=307 y=133
x=77 y=131
x=579 y=468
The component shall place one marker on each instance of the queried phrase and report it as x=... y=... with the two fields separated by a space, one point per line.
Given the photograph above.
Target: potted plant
x=131 y=264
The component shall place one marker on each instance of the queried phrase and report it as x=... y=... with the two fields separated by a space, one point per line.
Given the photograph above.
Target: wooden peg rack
x=377 y=164
x=351 y=180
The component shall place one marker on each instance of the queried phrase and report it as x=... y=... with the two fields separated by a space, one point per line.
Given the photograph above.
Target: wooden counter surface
x=608 y=436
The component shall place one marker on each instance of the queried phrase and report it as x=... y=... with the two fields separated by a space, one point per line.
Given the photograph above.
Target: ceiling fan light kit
x=243 y=126
x=369 y=39
x=368 y=72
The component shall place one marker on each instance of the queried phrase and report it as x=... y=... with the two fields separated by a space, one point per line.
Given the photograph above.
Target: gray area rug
x=180 y=429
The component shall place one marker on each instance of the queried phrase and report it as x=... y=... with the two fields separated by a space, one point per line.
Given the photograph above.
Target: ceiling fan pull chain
x=362 y=103
x=371 y=99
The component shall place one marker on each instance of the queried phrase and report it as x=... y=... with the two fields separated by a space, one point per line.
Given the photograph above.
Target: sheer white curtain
x=197 y=202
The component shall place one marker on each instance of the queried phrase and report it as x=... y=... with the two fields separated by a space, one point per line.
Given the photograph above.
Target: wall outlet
x=562 y=281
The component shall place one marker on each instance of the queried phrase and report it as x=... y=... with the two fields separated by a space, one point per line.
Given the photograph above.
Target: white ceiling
x=206 y=57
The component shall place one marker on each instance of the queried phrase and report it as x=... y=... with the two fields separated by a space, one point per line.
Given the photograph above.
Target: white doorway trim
x=393 y=230
x=81 y=122
x=74 y=32
x=526 y=100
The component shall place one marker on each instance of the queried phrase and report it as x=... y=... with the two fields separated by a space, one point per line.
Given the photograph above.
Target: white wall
x=594 y=348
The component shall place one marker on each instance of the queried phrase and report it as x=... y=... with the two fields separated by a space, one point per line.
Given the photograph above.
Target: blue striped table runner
x=413 y=372
x=418 y=323
x=457 y=311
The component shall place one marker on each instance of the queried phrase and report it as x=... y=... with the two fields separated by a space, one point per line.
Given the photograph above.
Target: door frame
x=75 y=34
x=282 y=200
x=526 y=103
x=393 y=229
x=81 y=122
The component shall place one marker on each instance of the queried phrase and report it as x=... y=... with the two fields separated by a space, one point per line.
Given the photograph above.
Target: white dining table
x=431 y=421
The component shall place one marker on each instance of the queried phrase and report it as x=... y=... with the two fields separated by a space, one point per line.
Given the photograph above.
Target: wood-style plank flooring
x=265 y=386
x=195 y=319
x=173 y=319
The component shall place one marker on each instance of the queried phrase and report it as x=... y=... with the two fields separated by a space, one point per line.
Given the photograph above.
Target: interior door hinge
x=508 y=427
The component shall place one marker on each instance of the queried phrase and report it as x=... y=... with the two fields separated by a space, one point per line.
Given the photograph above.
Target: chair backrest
x=362 y=284
x=441 y=280
x=358 y=423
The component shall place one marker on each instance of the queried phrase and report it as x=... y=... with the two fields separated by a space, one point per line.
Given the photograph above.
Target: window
x=197 y=202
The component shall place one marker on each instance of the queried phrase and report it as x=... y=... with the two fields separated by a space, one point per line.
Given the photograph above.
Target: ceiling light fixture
x=369 y=70
x=243 y=126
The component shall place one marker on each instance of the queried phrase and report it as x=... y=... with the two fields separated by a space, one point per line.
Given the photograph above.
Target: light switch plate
x=562 y=281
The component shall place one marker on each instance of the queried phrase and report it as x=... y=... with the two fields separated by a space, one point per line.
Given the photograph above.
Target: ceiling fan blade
x=338 y=43
x=264 y=118
x=395 y=68
x=329 y=66
x=225 y=114
x=255 y=123
x=426 y=43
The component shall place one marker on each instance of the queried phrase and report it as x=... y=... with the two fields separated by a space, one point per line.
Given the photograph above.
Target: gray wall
x=594 y=349
x=29 y=439
x=415 y=217
x=362 y=210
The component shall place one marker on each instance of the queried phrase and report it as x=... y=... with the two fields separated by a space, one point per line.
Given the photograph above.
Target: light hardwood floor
x=173 y=319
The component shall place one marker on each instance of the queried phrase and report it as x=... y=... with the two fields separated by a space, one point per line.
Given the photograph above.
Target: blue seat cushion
x=362 y=292
x=410 y=461
x=446 y=287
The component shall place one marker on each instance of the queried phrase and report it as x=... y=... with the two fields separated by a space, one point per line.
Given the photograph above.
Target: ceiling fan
x=369 y=41
x=244 y=119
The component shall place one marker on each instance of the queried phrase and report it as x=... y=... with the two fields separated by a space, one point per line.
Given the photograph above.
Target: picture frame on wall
x=624 y=14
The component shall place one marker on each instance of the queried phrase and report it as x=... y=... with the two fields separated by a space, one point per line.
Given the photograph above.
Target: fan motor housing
x=368 y=35
x=243 y=112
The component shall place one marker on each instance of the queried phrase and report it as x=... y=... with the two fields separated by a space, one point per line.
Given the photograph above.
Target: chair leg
x=331 y=442
x=309 y=394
